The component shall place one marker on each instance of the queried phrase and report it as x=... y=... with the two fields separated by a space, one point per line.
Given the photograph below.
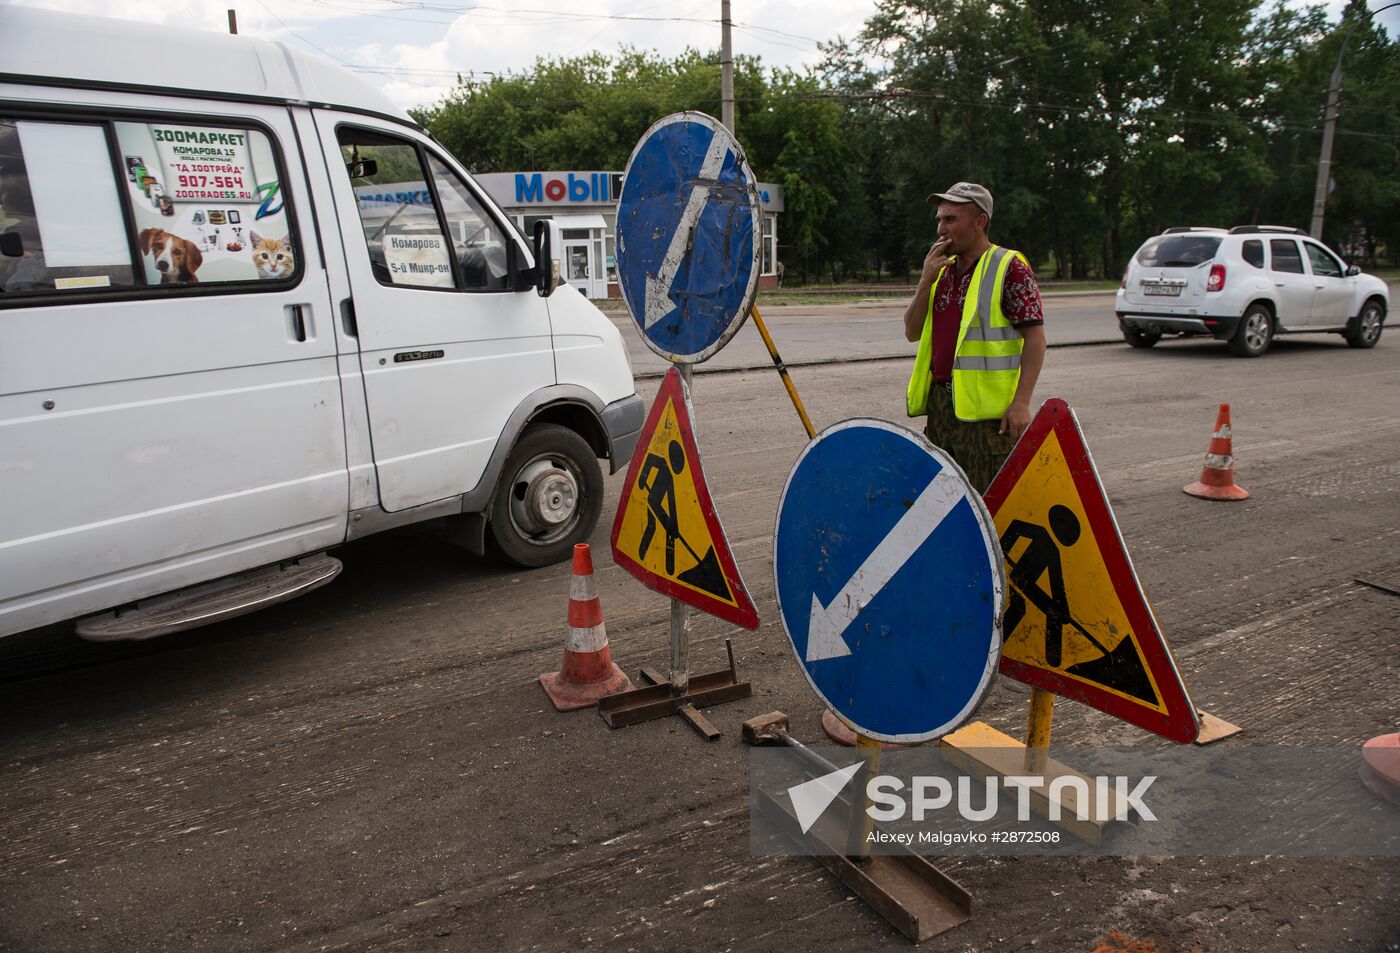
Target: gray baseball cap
x=965 y=192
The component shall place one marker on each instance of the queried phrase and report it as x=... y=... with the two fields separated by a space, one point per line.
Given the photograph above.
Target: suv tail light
x=1216 y=281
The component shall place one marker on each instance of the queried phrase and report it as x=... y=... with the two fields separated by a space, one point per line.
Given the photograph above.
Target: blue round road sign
x=890 y=580
x=688 y=237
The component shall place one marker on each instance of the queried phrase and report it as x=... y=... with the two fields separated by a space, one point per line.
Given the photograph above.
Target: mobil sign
x=562 y=188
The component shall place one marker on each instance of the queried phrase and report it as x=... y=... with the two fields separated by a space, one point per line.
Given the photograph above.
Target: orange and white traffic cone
x=588 y=672
x=1217 y=480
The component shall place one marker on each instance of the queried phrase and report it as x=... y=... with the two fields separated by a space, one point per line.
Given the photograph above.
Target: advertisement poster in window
x=208 y=203
x=418 y=260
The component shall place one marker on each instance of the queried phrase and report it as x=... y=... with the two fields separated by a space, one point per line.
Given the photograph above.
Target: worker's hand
x=936 y=259
x=1016 y=419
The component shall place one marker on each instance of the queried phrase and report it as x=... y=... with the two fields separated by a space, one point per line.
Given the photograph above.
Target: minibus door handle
x=347 y=318
x=297 y=321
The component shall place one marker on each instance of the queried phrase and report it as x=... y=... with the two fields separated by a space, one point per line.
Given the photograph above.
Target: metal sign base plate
x=920 y=900
x=1214 y=729
x=656 y=700
x=905 y=888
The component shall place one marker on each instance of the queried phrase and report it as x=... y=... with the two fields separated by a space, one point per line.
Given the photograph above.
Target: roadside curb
x=874 y=301
x=864 y=359
x=880 y=301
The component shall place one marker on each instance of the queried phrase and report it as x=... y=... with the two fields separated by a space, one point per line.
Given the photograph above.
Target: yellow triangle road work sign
x=667 y=532
x=1077 y=622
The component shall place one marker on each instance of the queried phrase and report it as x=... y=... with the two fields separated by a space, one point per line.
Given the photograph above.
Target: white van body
x=221 y=354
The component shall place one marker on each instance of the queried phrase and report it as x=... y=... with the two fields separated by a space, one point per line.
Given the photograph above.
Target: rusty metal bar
x=698 y=721
x=1379 y=586
x=905 y=888
x=658 y=699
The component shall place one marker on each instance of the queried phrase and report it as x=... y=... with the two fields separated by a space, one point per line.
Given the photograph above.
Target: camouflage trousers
x=975 y=444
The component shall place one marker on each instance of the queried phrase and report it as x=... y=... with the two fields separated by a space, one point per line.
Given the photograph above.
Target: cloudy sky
x=414 y=48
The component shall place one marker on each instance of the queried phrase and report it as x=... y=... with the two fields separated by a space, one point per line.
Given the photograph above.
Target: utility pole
x=1329 y=128
x=232 y=21
x=726 y=67
x=1324 y=162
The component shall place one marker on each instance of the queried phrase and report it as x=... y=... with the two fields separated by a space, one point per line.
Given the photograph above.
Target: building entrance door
x=579 y=268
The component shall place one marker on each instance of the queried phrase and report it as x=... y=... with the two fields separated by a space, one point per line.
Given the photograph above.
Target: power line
x=303 y=39
x=534 y=16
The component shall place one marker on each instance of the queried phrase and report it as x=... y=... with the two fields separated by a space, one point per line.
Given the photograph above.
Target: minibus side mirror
x=546 y=270
x=362 y=168
x=11 y=245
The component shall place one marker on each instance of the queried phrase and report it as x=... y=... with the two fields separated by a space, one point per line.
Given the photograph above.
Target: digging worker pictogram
x=661 y=501
x=1042 y=558
x=658 y=479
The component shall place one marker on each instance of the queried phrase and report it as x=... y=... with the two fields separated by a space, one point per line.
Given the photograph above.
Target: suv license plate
x=1170 y=291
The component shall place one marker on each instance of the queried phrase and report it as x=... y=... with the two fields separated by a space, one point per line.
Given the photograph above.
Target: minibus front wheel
x=549 y=497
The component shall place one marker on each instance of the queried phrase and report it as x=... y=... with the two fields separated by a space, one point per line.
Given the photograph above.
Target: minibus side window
x=206 y=204
x=61 y=226
x=402 y=229
x=477 y=240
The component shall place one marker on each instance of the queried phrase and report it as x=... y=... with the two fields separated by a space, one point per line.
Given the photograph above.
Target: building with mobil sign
x=584 y=205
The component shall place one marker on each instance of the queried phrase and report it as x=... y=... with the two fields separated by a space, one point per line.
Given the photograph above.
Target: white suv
x=1244 y=286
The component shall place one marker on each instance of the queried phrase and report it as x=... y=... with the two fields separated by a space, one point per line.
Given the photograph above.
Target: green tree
x=589 y=112
x=1095 y=126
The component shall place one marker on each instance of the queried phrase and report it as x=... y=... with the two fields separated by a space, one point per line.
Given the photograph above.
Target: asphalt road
x=374 y=767
x=872 y=329
x=863 y=330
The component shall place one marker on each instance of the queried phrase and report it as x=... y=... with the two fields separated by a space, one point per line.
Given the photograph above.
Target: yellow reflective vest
x=987 y=359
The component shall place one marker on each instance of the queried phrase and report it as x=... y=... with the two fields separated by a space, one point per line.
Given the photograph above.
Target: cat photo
x=273 y=256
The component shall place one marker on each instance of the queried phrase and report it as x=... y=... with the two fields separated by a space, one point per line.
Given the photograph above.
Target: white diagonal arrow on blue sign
x=659 y=303
x=827 y=623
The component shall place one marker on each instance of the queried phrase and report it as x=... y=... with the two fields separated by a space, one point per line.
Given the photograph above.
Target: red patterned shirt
x=1020 y=302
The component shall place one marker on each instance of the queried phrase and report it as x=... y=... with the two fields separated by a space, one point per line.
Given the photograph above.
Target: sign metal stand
x=1088 y=633
x=688 y=262
x=881 y=544
x=906 y=888
x=678 y=693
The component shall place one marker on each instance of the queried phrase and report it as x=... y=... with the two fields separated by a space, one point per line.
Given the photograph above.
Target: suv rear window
x=1178 y=251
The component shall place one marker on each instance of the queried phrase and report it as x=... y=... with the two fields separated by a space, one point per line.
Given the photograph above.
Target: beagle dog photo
x=176 y=258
